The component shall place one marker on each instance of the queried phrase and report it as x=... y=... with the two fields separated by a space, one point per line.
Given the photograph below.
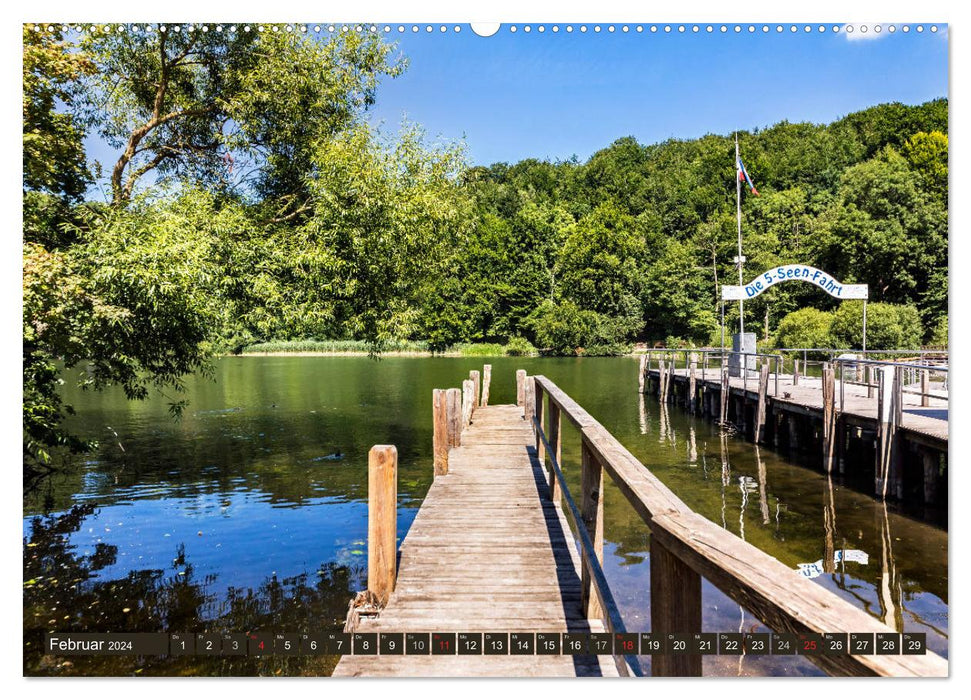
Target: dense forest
x=251 y=201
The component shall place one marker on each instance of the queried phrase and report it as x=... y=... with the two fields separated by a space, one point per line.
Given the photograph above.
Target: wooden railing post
x=486 y=382
x=453 y=407
x=476 y=385
x=521 y=387
x=829 y=416
x=468 y=402
x=675 y=608
x=382 y=545
x=440 y=436
x=538 y=413
x=592 y=510
x=555 y=445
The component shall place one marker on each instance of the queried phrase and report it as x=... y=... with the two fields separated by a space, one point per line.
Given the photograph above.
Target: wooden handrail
x=782 y=599
x=612 y=617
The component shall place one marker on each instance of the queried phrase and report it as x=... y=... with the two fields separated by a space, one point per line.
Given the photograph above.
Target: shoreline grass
x=515 y=348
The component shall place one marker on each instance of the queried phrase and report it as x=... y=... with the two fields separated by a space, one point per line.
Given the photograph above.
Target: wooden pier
x=898 y=438
x=492 y=550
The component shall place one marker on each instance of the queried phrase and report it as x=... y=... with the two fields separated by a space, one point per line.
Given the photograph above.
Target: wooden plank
x=488 y=550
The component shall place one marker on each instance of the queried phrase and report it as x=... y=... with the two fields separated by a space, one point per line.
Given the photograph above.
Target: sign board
x=789 y=273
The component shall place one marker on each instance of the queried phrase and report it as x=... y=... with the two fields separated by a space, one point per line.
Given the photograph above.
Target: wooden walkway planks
x=487 y=552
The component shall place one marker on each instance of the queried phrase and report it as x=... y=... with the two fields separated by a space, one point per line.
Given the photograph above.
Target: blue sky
x=518 y=95
x=554 y=95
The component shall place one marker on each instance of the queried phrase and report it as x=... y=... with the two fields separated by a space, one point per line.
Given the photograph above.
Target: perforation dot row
x=513 y=28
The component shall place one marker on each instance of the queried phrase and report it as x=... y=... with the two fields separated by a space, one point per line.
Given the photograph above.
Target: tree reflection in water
x=62 y=592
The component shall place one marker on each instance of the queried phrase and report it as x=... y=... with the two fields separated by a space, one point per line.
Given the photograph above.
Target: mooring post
x=486 y=381
x=592 y=510
x=829 y=416
x=476 y=386
x=382 y=546
x=795 y=373
x=692 y=381
x=886 y=427
x=468 y=402
x=760 y=409
x=723 y=415
x=440 y=428
x=453 y=410
x=672 y=397
x=675 y=608
x=521 y=387
x=641 y=373
x=661 y=388
x=555 y=445
x=925 y=386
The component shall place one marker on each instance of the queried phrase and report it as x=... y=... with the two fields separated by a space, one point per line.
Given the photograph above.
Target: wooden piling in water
x=723 y=413
x=453 y=410
x=829 y=416
x=486 y=382
x=641 y=374
x=476 y=386
x=692 y=382
x=888 y=408
x=520 y=387
x=440 y=429
x=382 y=540
x=760 y=409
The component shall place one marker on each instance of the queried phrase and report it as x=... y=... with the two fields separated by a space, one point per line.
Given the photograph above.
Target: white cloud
x=865 y=32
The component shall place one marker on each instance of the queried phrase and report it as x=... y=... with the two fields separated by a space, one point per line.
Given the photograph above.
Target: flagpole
x=738 y=210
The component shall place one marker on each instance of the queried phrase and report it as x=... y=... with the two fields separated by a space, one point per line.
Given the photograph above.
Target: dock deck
x=488 y=552
x=930 y=422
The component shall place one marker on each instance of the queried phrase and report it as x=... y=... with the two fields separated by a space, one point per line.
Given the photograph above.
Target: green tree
x=55 y=171
x=189 y=101
x=889 y=326
x=805 y=328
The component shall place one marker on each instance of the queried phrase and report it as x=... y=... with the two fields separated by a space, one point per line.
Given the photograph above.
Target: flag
x=743 y=176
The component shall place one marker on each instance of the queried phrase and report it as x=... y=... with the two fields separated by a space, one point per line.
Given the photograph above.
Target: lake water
x=234 y=519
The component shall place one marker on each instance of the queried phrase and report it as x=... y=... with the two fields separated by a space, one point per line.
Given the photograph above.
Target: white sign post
x=798 y=273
